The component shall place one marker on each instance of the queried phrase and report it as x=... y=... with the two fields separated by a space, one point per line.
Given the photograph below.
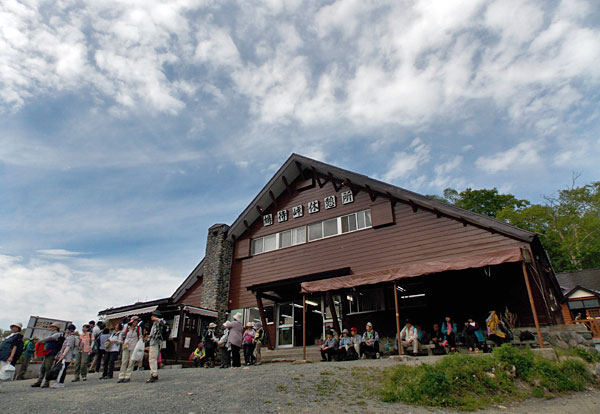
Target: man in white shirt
x=409 y=337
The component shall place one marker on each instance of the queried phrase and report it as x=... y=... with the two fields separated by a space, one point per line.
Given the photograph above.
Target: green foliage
x=586 y=355
x=484 y=201
x=469 y=383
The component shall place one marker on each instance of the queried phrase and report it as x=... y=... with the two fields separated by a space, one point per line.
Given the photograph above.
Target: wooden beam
x=413 y=205
x=300 y=169
x=247 y=225
x=259 y=210
x=372 y=194
x=180 y=333
x=336 y=322
x=261 y=311
x=392 y=199
x=397 y=317
x=317 y=178
x=287 y=185
x=532 y=303
x=270 y=297
x=437 y=212
x=355 y=190
x=335 y=186
x=304 y=327
x=273 y=199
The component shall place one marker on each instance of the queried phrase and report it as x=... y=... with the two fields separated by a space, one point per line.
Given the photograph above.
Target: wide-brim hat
x=157 y=313
x=18 y=325
x=344 y=331
x=249 y=325
x=134 y=318
x=55 y=325
x=237 y=316
x=212 y=325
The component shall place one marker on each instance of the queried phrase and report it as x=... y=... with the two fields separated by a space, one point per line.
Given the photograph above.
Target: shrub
x=509 y=356
x=586 y=355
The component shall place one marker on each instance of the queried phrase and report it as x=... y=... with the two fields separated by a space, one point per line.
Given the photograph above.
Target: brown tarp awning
x=415 y=269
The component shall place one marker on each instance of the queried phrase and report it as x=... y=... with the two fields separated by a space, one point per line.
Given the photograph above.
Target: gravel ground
x=270 y=388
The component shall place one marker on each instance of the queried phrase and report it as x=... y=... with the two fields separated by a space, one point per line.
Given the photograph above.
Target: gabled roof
x=576 y=288
x=297 y=165
x=189 y=282
x=587 y=278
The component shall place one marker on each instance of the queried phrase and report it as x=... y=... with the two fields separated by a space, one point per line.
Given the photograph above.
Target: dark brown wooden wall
x=414 y=237
x=193 y=297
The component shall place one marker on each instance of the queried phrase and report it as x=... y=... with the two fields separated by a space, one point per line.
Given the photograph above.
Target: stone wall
x=564 y=336
x=217 y=271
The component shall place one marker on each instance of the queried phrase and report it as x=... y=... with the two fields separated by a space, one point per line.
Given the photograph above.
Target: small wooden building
x=320 y=247
x=581 y=294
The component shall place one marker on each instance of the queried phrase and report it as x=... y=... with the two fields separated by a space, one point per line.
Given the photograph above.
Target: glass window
x=269 y=313
x=270 y=242
x=257 y=246
x=315 y=231
x=368 y=218
x=577 y=304
x=252 y=315
x=366 y=301
x=591 y=303
x=330 y=227
x=299 y=235
x=286 y=314
x=349 y=223
x=285 y=238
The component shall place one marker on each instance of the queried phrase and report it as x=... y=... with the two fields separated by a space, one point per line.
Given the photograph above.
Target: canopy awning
x=414 y=269
x=201 y=311
x=140 y=311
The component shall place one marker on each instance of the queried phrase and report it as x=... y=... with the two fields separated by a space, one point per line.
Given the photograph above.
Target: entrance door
x=285 y=325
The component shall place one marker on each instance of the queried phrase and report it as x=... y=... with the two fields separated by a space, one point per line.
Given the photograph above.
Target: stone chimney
x=217 y=270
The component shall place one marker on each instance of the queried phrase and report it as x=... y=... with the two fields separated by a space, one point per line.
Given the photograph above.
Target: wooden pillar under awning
x=397 y=317
x=261 y=311
x=304 y=327
x=532 y=303
x=336 y=322
x=180 y=328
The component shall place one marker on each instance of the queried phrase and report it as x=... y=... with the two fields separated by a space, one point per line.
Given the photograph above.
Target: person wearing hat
x=28 y=354
x=345 y=344
x=156 y=338
x=354 y=352
x=51 y=347
x=409 y=337
x=369 y=345
x=235 y=339
x=199 y=355
x=225 y=348
x=85 y=350
x=210 y=345
x=65 y=355
x=260 y=340
x=12 y=347
x=248 y=343
x=329 y=348
x=129 y=339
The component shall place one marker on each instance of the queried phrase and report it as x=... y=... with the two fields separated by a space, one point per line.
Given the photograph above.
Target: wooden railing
x=592 y=324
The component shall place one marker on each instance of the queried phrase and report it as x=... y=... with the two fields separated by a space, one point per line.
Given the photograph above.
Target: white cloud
x=58 y=253
x=524 y=155
x=74 y=290
x=407 y=162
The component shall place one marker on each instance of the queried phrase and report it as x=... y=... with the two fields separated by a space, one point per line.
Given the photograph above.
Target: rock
x=562 y=344
x=565 y=336
x=490 y=374
x=596 y=369
x=570 y=358
x=579 y=339
x=573 y=343
x=547 y=353
x=587 y=335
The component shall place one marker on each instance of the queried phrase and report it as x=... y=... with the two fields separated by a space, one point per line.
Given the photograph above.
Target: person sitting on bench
x=409 y=337
x=369 y=345
x=353 y=351
x=329 y=349
x=437 y=339
x=344 y=345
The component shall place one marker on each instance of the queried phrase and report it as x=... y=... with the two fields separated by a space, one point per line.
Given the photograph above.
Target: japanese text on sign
x=329 y=202
x=313 y=206
x=267 y=219
x=347 y=197
x=282 y=216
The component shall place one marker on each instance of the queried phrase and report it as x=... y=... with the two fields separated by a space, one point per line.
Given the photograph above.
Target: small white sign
x=267 y=219
x=329 y=202
x=186 y=342
x=282 y=216
x=297 y=211
x=175 y=328
x=313 y=206
x=347 y=197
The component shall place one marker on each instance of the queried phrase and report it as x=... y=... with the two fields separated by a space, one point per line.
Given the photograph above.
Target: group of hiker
x=250 y=338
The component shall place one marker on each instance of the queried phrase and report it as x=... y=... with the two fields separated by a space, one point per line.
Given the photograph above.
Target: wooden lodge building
x=323 y=247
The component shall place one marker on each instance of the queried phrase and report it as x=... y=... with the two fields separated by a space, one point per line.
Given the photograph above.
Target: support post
x=531 y=302
x=304 y=327
x=261 y=312
x=336 y=322
x=397 y=317
x=180 y=333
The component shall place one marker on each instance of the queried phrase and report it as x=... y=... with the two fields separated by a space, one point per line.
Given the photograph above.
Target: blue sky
x=128 y=128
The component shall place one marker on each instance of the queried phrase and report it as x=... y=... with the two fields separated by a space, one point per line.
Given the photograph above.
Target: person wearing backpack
x=130 y=336
x=28 y=354
x=85 y=350
x=259 y=340
x=157 y=332
x=12 y=347
x=65 y=355
x=51 y=345
x=112 y=346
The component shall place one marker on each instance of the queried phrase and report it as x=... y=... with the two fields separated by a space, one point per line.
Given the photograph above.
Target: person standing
x=210 y=345
x=130 y=336
x=155 y=340
x=12 y=347
x=225 y=346
x=112 y=352
x=260 y=340
x=248 y=343
x=65 y=355
x=85 y=350
x=51 y=348
x=28 y=354
x=235 y=339
x=95 y=331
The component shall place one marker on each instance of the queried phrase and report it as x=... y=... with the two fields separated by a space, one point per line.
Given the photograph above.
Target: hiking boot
x=45 y=385
x=126 y=380
x=120 y=380
x=36 y=384
x=152 y=379
x=75 y=380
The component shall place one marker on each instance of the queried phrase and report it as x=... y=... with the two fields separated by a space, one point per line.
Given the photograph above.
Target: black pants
x=210 y=354
x=471 y=341
x=235 y=356
x=369 y=351
x=248 y=353
x=328 y=354
x=45 y=368
x=109 y=363
x=101 y=353
x=225 y=357
x=63 y=373
x=451 y=340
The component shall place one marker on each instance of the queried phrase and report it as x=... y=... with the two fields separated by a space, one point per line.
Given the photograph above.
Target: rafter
x=273 y=199
x=372 y=194
x=287 y=185
x=332 y=179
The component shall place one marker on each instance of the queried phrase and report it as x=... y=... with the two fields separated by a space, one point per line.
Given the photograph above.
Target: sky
x=128 y=128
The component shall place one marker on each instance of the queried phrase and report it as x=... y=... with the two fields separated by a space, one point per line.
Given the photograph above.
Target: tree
x=484 y=201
